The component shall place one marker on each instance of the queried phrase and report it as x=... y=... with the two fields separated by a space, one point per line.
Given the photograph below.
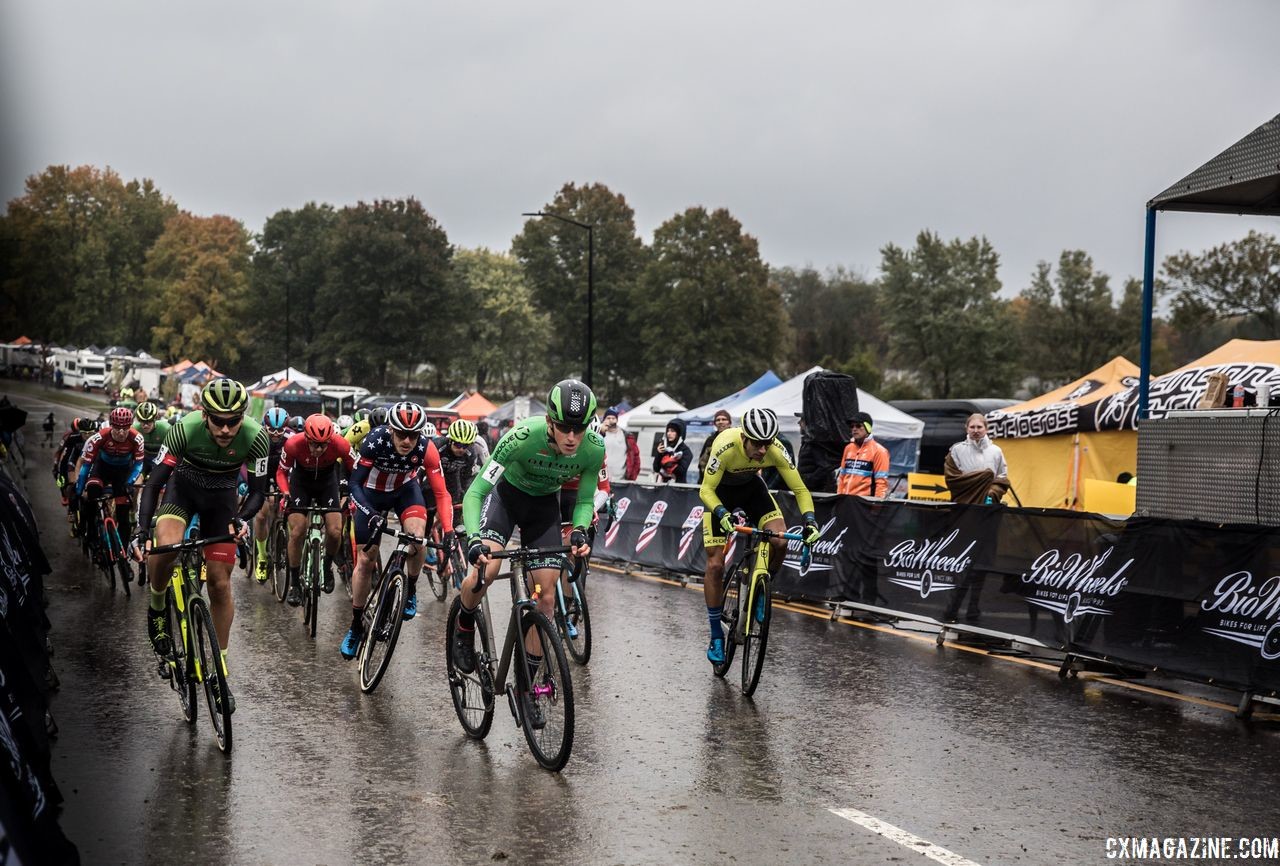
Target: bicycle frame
x=521 y=600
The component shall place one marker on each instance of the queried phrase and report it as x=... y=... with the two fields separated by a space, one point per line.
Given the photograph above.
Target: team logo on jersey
x=689 y=529
x=231 y=452
x=621 y=506
x=651 y=523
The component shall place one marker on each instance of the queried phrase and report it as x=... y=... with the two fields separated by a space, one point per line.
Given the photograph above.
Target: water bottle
x=1237 y=397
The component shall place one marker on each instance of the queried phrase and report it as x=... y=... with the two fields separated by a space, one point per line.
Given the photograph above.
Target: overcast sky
x=828 y=129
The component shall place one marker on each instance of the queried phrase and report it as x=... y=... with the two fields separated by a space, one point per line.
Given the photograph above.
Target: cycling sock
x=225 y=670
x=295 y=573
x=262 y=547
x=357 y=613
x=713 y=617
x=157 y=601
x=413 y=584
x=534 y=662
x=466 y=619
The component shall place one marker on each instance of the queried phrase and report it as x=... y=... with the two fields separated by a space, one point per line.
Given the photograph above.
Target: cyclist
x=308 y=477
x=67 y=461
x=568 y=502
x=153 y=429
x=343 y=424
x=519 y=487
x=732 y=481
x=460 y=458
x=276 y=422
x=296 y=422
x=360 y=429
x=386 y=477
x=198 y=468
x=112 y=458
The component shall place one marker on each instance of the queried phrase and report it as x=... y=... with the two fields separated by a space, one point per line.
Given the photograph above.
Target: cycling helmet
x=146 y=412
x=318 y=428
x=429 y=429
x=571 y=402
x=296 y=423
x=378 y=417
x=75 y=425
x=87 y=425
x=462 y=431
x=407 y=417
x=760 y=424
x=224 y=396
x=344 y=422
x=358 y=416
x=276 y=419
x=122 y=417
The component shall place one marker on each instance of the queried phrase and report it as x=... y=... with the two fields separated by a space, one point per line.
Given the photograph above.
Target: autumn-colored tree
x=198 y=273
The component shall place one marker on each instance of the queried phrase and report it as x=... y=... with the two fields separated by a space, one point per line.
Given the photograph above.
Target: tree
x=290 y=268
x=710 y=319
x=1237 y=283
x=943 y=316
x=835 y=320
x=76 y=245
x=198 y=274
x=386 y=292
x=506 y=335
x=554 y=257
x=1070 y=325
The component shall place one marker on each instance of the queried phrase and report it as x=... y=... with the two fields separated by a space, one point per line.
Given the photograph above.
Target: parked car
x=944 y=424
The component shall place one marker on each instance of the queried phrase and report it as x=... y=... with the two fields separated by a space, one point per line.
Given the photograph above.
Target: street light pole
x=591 y=255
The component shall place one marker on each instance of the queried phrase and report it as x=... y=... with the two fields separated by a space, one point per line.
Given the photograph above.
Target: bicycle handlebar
x=192 y=543
x=768 y=533
x=401 y=535
x=527 y=552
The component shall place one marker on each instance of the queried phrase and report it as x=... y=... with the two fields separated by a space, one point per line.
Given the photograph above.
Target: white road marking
x=903 y=838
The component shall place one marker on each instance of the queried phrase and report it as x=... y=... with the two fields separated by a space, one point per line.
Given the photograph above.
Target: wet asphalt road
x=997 y=762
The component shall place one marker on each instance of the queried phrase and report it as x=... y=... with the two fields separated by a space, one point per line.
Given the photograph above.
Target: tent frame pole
x=1148 y=293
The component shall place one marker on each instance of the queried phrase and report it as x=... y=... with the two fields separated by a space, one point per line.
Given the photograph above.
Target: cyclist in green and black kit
x=153 y=429
x=199 y=469
x=519 y=487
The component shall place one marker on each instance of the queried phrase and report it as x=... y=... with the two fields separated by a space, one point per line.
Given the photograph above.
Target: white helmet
x=344 y=422
x=429 y=429
x=760 y=424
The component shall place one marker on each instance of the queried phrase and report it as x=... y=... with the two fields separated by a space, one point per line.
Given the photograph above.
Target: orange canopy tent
x=473 y=407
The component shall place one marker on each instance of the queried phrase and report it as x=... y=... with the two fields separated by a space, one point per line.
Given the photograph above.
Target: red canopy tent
x=473 y=407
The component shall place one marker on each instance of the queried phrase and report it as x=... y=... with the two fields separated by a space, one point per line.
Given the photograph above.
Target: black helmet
x=571 y=402
x=378 y=417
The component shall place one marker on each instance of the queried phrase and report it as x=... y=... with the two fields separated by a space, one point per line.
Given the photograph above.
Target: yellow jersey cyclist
x=198 y=468
x=732 y=481
x=360 y=429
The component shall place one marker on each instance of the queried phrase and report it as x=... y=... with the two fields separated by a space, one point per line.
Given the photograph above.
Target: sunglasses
x=404 y=437
x=566 y=429
x=225 y=421
x=757 y=443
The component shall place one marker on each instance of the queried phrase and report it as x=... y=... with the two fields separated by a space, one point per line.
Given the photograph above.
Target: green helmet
x=146 y=412
x=224 y=396
x=571 y=402
x=359 y=415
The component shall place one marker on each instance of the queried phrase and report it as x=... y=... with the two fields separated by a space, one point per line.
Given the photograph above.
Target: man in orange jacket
x=864 y=468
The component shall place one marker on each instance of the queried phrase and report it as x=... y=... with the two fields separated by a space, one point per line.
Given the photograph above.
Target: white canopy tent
x=293 y=374
x=660 y=404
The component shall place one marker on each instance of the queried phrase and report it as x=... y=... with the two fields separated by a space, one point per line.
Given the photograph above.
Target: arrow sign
x=923 y=485
x=935 y=488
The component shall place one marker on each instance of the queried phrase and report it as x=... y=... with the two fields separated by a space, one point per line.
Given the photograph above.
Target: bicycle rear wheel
x=279 y=554
x=315 y=561
x=729 y=619
x=472 y=693
x=551 y=692
x=181 y=669
x=439 y=587
x=383 y=632
x=126 y=574
x=209 y=670
x=573 y=622
x=458 y=566
x=756 y=635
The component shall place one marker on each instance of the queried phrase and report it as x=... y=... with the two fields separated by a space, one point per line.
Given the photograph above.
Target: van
x=944 y=424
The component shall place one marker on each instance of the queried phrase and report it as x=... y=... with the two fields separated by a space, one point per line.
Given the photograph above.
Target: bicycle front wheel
x=472 y=693
x=383 y=632
x=125 y=572
x=729 y=619
x=279 y=555
x=208 y=657
x=755 y=636
x=181 y=669
x=546 y=696
x=315 y=562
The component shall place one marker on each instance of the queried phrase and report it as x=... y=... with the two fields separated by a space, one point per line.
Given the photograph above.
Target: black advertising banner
x=1197 y=599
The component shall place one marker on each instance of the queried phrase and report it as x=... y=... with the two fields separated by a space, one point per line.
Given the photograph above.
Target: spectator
x=621 y=453
x=864 y=468
x=818 y=461
x=975 y=467
x=722 y=421
x=671 y=457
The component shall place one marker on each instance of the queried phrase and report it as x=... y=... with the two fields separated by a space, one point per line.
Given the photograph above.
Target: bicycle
x=435 y=576
x=273 y=516
x=344 y=561
x=548 y=729
x=106 y=550
x=752 y=631
x=384 y=608
x=313 y=561
x=197 y=657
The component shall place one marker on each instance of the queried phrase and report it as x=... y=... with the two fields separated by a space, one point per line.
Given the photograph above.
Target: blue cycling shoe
x=351 y=644
x=715 y=651
x=411 y=606
x=760 y=609
x=431 y=556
